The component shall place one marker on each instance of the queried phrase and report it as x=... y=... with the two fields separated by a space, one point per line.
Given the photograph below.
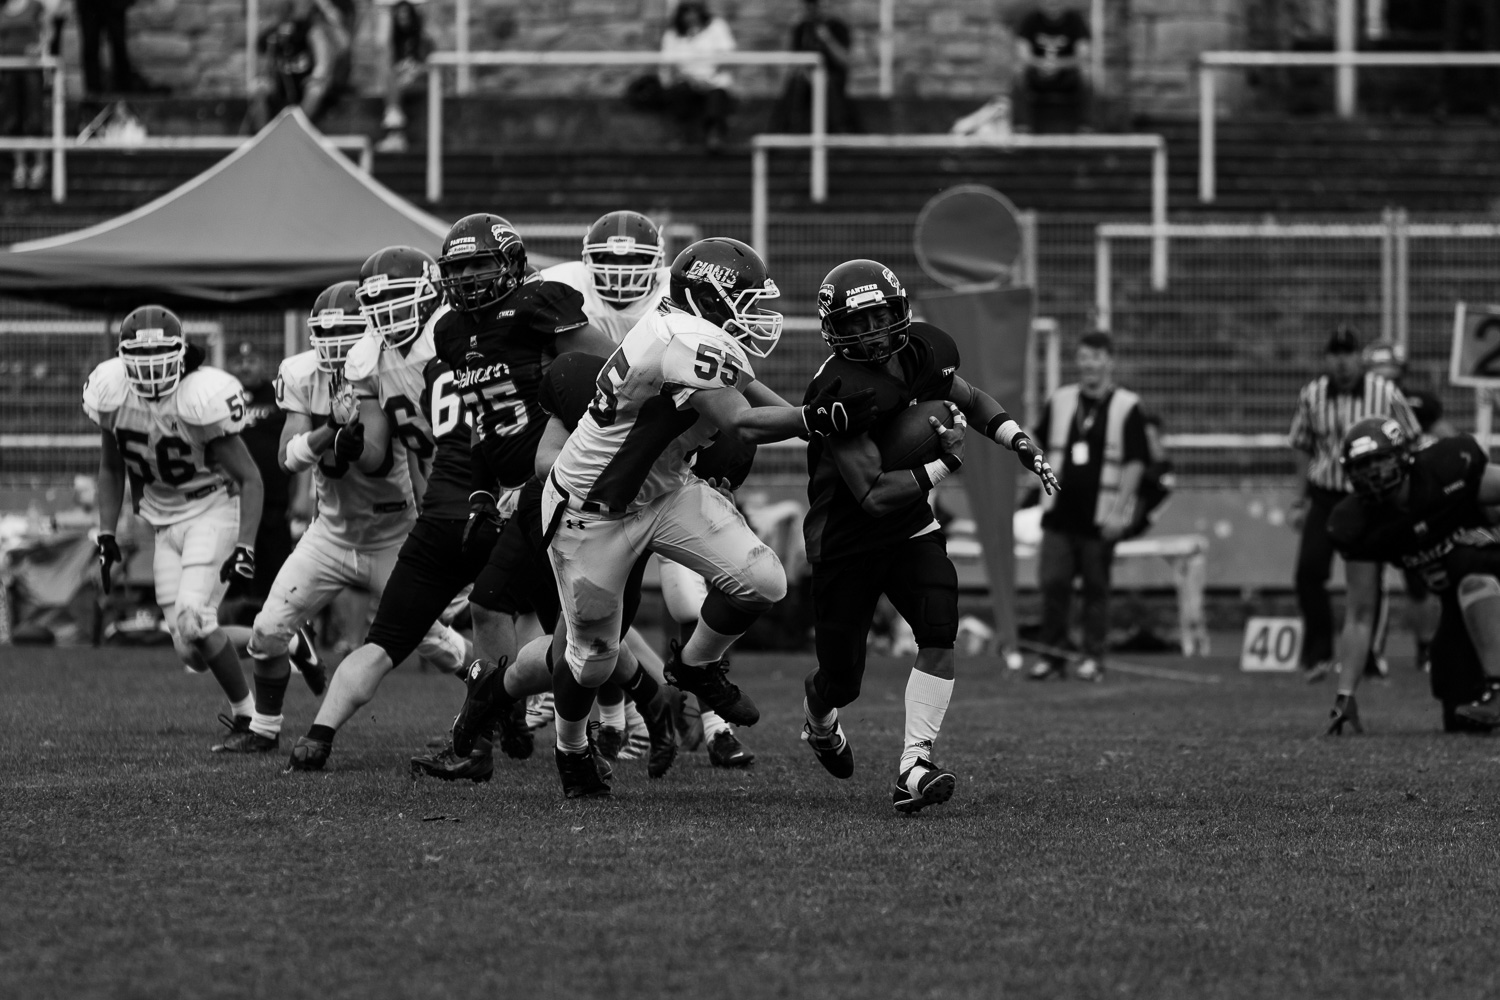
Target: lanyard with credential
x=1082 y=426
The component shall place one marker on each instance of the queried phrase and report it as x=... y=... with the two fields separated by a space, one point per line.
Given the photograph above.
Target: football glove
x=109 y=555
x=241 y=563
x=1031 y=456
x=832 y=415
x=1344 y=711
x=349 y=442
x=482 y=511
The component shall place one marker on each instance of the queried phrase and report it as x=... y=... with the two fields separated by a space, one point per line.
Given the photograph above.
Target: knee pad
x=269 y=639
x=186 y=653
x=593 y=664
x=1477 y=587
x=765 y=575
x=196 y=623
x=443 y=648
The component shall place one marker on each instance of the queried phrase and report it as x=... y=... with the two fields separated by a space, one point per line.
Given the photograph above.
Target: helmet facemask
x=739 y=314
x=624 y=270
x=333 y=333
x=1379 y=476
x=469 y=289
x=396 y=308
x=870 y=333
x=154 y=362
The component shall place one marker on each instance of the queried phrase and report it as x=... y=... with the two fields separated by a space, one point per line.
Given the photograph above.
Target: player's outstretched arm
x=230 y=454
x=983 y=411
x=828 y=415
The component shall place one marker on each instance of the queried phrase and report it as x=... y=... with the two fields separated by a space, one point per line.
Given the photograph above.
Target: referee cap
x=1343 y=340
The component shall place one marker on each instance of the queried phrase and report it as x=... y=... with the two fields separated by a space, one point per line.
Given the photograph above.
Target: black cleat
x=307 y=661
x=832 y=751
x=1045 y=668
x=242 y=740
x=445 y=765
x=486 y=699
x=921 y=785
x=609 y=740
x=1483 y=711
x=515 y=736
x=308 y=755
x=1455 y=723
x=711 y=683
x=725 y=750
x=1345 y=711
x=585 y=775
x=662 y=732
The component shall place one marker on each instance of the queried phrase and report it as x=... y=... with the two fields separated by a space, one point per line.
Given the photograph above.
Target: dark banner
x=993 y=332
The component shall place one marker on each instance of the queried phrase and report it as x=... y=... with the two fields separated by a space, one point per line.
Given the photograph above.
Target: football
x=908 y=440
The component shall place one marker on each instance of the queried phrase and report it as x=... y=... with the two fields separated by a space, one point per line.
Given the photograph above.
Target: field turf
x=1139 y=838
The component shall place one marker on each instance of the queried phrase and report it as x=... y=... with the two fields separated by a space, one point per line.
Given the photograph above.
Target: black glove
x=109 y=555
x=832 y=415
x=482 y=511
x=1031 y=456
x=349 y=442
x=241 y=563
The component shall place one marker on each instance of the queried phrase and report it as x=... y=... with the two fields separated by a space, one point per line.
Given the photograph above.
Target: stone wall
x=945 y=48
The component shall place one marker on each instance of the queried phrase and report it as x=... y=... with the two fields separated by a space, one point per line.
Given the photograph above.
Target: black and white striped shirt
x=1324 y=416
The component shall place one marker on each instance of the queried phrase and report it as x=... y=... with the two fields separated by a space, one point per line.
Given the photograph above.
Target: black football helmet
x=398 y=292
x=154 y=350
x=335 y=325
x=624 y=253
x=723 y=281
x=864 y=311
x=1376 y=455
x=488 y=240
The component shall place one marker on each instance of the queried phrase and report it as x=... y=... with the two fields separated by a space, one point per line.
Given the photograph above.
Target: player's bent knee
x=443 y=649
x=269 y=639
x=196 y=623
x=836 y=692
x=1477 y=587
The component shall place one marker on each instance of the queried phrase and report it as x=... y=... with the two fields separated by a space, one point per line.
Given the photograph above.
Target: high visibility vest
x=1061 y=408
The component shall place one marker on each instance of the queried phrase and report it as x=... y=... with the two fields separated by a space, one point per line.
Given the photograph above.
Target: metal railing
x=1345 y=62
x=438 y=62
x=761 y=145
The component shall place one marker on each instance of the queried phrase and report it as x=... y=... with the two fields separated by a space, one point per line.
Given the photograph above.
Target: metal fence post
x=1206 y=115
x=759 y=200
x=1403 y=278
x=1028 y=276
x=1347 y=82
x=461 y=42
x=1102 y=307
x=1159 y=215
x=1387 y=273
x=59 y=110
x=819 y=157
x=434 y=133
x=887 y=48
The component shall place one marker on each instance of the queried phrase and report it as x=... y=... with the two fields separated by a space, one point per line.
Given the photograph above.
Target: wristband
x=1002 y=429
x=299 y=453
x=934 y=472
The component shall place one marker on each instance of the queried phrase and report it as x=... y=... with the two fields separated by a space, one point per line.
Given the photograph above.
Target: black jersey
x=448 y=484
x=836 y=524
x=498 y=357
x=569 y=386
x=1442 y=511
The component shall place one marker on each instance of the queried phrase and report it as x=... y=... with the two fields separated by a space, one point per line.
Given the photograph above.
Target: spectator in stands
x=1326 y=408
x=264 y=420
x=1052 y=50
x=409 y=46
x=27 y=28
x=829 y=36
x=698 y=91
x=304 y=60
x=102 y=23
x=1095 y=435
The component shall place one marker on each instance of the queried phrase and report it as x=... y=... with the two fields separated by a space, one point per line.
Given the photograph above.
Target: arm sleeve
x=1137 y=448
x=556 y=308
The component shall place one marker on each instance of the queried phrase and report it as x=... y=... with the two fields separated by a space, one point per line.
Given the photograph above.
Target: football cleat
x=711 y=683
x=832 y=751
x=1345 y=711
x=608 y=739
x=445 y=765
x=661 y=746
x=1091 y=670
x=921 y=785
x=725 y=750
x=485 y=680
x=514 y=735
x=308 y=755
x=1485 y=710
x=539 y=710
x=1045 y=668
x=241 y=739
x=585 y=775
x=307 y=661
x=687 y=717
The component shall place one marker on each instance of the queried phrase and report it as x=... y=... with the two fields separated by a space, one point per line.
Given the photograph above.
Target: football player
x=1424 y=509
x=870 y=532
x=399 y=298
x=621 y=485
x=347 y=433
x=622 y=276
x=172 y=426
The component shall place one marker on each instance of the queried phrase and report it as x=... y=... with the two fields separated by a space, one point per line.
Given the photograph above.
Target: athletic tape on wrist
x=299 y=453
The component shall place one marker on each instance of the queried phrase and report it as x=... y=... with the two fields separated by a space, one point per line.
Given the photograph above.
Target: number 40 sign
x=1475 y=360
x=1271 y=644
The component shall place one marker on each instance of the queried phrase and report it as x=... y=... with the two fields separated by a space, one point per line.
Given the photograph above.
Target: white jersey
x=616 y=322
x=634 y=442
x=360 y=510
x=165 y=442
x=397 y=380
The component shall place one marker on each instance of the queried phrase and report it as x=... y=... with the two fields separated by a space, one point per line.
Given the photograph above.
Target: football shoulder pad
x=572 y=273
x=945 y=357
x=706 y=358
x=551 y=307
x=301 y=386
x=104 y=392
x=213 y=400
x=362 y=363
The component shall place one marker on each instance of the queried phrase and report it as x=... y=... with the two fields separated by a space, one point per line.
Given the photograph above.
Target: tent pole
x=291 y=334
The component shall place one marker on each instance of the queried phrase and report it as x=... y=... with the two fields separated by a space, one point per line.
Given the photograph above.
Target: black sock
x=642 y=688
x=270 y=693
x=609 y=693
x=570 y=699
x=323 y=734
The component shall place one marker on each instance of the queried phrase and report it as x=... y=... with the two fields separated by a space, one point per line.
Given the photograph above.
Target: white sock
x=634 y=721
x=572 y=737
x=265 y=725
x=927 y=700
x=706 y=646
x=712 y=724
x=823 y=725
x=613 y=716
x=245 y=706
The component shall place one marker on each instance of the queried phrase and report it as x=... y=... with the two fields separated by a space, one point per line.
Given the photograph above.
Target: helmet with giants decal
x=398 y=292
x=483 y=261
x=623 y=252
x=1376 y=455
x=335 y=325
x=723 y=281
x=864 y=311
x=154 y=350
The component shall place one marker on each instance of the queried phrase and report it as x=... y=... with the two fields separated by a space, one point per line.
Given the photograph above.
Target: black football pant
x=431 y=568
x=1064 y=557
x=1457 y=673
x=922 y=584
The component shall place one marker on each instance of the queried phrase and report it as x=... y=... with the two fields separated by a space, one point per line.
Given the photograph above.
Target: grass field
x=1139 y=838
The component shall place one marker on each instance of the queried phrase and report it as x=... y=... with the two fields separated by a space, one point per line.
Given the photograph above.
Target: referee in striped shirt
x=1326 y=408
